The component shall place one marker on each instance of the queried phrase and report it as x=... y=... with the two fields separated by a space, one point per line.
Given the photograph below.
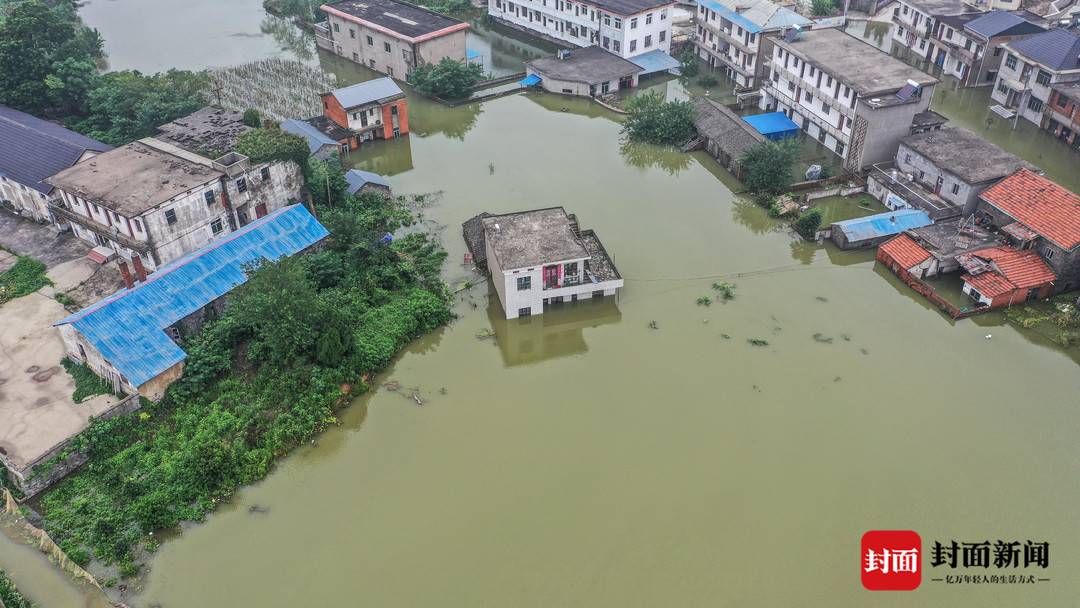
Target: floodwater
x=639 y=451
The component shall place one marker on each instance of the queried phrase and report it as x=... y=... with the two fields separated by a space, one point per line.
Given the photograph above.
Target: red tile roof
x=905 y=251
x=1014 y=269
x=1040 y=204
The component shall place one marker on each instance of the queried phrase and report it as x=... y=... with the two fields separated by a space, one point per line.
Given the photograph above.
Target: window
x=352 y=33
x=956 y=188
x=209 y=197
x=1043 y=78
x=900 y=32
x=618 y=23
x=356 y=57
x=648 y=41
x=809 y=98
x=170 y=216
x=386 y=46
x=264 y=173
x=241 y=185
x=648 y=19
x=633 y=23
x=825 y=109
x=570 y=270
x=524 y=283
x=663 y=35
x=1002 y=88
x=663 y=14
x=607 y=43
x=1035 y=105
x=371 y=63
x=616 y=46
x=138 y=225
x=607 y=20
x=216 y=226
x=370 y=41
x=633 y=45
x=1010 y=61
x=997 y=51
x=1048 y=253
x=1062 y=101
x=840 y=148
x=337 y=27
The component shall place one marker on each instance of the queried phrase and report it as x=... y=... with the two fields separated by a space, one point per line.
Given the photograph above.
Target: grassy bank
x=25 y=277
x=295 y=343
x=10 y=596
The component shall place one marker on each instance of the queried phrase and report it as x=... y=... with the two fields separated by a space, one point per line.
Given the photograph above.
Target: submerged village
x=204 y=270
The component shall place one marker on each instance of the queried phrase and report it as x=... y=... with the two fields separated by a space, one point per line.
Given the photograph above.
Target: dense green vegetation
x=689 y=60
x=49 y=67
x=87 y=383
x=808 y=223
x=767 y=166
x=270 y=144
x=448 y=79
x=10 y=596
x=294 y=344
x=1058 y=318
x=26 y=276
x=652 y=120
x=823 y=8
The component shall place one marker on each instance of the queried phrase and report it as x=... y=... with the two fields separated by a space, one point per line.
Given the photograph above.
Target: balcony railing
x=99 y=228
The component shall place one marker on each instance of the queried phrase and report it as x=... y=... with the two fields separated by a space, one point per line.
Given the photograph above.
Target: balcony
x=108 y=232
x=914 y=193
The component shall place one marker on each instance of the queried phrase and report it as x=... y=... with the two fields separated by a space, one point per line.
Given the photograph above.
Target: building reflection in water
x=559 y=332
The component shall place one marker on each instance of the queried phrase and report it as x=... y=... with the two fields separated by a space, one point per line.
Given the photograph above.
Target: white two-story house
x=1031 y=69
x=736 y=34
x=624 y=27
x=918 y=21
x=540 y=257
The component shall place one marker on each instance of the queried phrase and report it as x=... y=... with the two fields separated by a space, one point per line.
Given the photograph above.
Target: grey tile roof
x=1057 y=49
x=999 y=23
x=403 y=18
x=32 y=149
x=371 y=91
x=965 y=154
x=936 y=8
x=717 y=123
x=590 y=65
x=358 y=179
x=315 y=138
x=628 y=7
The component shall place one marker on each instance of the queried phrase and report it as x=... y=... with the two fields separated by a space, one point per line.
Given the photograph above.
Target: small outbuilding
x=875 y=229
x=320 y=145
x=587 y=72
x=725 y=136
x=1002 y=276
x=366 y=181
x=773 y=125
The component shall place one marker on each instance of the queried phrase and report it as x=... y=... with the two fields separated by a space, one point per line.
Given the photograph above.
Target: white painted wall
x=582 y=24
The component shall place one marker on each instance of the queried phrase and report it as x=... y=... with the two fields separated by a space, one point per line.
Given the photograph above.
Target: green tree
x=448 y=78
x=32 y=39
x=267 y=144
x=766 y=167
x=126 y=106
x=808 y=223
x=822 y=8
x=326 y=183
x=252 y=118
x=70 y=83
x=652 y=120
x=689 y=60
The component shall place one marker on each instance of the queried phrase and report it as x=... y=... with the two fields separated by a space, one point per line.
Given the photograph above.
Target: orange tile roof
x=1014 y=269
x=905 y=251
x=1040 y=204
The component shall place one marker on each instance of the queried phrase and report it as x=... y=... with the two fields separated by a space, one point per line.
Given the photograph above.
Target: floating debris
x=822 y=338
x=777 y=329
x=864 y=351
x=704 y=301
x=821 y=298
x=442 y=391
x=756 y=388
x=392 y=385
x=485 y=333
x=757 y=342
x=836 y=379
x=653 y=325
x=258 y=509
x=846 y=337
x=727 y=290
x=415 y=396
x=725 y=336
x=704 y=320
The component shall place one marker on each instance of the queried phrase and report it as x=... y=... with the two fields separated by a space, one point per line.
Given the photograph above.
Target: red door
x=551 y=277
x=260 y=210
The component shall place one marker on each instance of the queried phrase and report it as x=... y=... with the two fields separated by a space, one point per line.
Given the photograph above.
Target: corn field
x=278 y=88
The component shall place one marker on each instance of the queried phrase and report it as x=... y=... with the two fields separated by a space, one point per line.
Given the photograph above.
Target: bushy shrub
x=651 y=119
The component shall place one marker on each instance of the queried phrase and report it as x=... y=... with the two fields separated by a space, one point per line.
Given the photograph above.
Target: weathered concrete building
x=1063 y=121
x=374 y=109
x=725 y=135
x=1032 y=68
x=131 y=338
x=31 y=150
x=941 y=172
x=856 y=100
x=540 y=257
x=736 y=35
x=998 y=277
x=588 y=72
x=1038 y=214
x=917 y=23
x=366 y=181
x=625 y=27
x=392 y=37
x=972 y=43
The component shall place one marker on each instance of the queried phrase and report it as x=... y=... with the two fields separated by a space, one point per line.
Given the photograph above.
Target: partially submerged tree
x=767 y=166
x=448 y=78
x=808 y=223
x=652 y=120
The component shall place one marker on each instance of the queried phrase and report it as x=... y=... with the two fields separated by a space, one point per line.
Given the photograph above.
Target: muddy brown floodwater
x=640 y=451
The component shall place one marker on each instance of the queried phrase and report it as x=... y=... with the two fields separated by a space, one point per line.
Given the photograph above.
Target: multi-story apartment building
x=151 y=202
x=856 y=100
x=1063 y=120
x=389 y=36
x=917 y=22
x=1032 y=68
x=624 y=27
x=737 y=34
x=973 y=43
x=31 y=150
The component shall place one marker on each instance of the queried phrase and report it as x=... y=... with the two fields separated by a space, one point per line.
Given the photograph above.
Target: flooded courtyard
x=641 y=451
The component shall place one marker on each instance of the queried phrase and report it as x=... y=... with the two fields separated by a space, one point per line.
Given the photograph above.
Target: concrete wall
x=885 y=127
x=154 y=389
x=25 y=200
x=79 y=349
x=1064 y=263
x=926 y=173
x=1021 y=101
x=388 y=54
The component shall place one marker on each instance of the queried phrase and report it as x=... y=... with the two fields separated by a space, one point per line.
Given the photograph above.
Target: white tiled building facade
x=616 y=27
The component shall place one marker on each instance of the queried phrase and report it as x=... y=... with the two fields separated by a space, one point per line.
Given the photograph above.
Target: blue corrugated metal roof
x=357 y=179
x=32 y=149
x=367 y=92
x=471 y=54
x=127 y=328
x=773 y=125
x=316 y=139
x=655 y=61
x=530 y=81
x=883 y=224
x=756 y=16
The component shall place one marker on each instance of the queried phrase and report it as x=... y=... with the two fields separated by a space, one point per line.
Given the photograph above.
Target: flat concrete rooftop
x=860 y=66
x=533 y=238
x=965 y=154
x=207 y=130
x=133 y=178
x=590 y=65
